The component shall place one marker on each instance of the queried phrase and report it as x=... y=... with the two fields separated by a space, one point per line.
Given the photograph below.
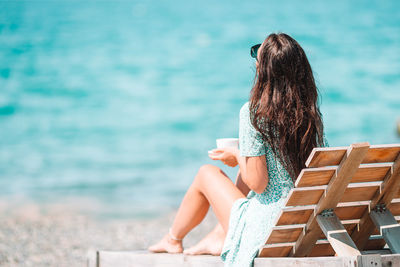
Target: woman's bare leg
x=213 y=242
x=212 y=187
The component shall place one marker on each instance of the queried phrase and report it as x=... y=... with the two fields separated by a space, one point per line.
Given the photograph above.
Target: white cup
x=227 y=142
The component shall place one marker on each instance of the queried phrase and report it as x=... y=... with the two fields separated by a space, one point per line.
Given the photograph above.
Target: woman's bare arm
x=254 y=172
x=241 y=185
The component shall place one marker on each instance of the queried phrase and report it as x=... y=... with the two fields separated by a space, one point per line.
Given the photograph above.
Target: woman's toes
x=200 y=248
x=166 y=245
x=156 y=248
x=190 y=251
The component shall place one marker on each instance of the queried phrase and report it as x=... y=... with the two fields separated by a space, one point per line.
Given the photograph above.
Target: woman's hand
x=228 y=156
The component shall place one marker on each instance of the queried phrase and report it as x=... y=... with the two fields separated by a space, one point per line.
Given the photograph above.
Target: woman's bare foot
x=211 y=244
x=167 y=244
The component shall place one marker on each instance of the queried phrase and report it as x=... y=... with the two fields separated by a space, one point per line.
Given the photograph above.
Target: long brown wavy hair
x=284 y=102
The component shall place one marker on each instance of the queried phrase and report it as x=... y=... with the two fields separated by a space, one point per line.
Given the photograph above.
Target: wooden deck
x=145 y=259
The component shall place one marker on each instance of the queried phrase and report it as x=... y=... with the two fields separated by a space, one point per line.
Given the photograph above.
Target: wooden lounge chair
x=347 y=200
x=345 y=203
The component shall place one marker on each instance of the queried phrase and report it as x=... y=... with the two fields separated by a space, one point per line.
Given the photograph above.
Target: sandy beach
x=33 y=236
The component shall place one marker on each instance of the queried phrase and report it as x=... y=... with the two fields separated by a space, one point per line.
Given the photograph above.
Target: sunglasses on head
x=254 y=50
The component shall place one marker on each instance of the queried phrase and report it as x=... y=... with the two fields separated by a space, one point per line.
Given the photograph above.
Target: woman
x=278 y=128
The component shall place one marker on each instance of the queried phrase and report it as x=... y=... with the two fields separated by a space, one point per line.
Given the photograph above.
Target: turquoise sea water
x=117 y=102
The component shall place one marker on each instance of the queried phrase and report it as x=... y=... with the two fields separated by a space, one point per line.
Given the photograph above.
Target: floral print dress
x=251 y=218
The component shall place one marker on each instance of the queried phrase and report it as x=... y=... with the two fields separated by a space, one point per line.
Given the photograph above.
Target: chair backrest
x=351 y=181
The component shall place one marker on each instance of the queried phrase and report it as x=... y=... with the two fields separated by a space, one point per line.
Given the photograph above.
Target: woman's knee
x=207 y=172
x=208 y=168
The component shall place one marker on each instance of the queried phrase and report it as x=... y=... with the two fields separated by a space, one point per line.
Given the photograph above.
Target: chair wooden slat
x=321 y=156
x=375 y=244
x=382 y=153
x=301 y=214
x=305 y=195
x=325 y=156
x=284 y=235
x=296 y=215
x=311 y=195
x=350 y=212
x=360 y=192
x=315 y=176
x=276 y=250
x=371 y=172
x=322 y=250
x=322 y=175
